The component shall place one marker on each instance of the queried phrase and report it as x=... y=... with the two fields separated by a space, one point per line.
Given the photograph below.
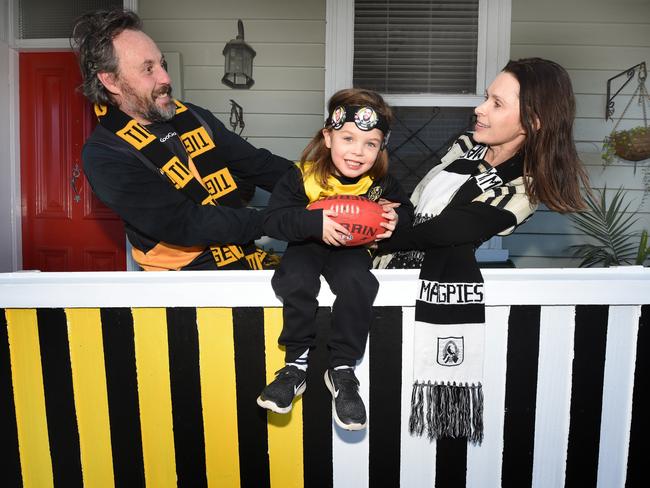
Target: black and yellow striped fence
x=131 y=396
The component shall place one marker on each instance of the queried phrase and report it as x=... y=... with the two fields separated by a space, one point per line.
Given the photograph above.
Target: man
x=166 y=168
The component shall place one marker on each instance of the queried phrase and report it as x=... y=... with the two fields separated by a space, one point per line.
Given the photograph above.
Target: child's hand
x=389 y=214
x=334 y=233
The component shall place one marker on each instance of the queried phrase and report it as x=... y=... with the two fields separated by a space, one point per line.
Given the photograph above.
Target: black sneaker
x=278 y=395
x=347 y=406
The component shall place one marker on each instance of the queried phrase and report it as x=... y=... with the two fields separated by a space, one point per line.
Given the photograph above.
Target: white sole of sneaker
x=338 y=421
x=269 y=405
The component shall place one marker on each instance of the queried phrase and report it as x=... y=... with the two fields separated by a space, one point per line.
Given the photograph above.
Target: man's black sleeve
x=287 y=217
x=473 y=223
x=149 y=203
x=258 y=166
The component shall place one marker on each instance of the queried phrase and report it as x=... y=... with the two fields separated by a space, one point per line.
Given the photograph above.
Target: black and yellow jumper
x=168 y=230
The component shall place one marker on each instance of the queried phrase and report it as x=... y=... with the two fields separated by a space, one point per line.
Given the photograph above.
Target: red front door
x=65 y=227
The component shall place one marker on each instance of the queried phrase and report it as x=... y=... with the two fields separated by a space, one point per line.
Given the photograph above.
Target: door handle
x=76 y=173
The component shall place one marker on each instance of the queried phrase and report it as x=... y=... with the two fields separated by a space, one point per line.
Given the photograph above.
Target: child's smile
x=354 y=151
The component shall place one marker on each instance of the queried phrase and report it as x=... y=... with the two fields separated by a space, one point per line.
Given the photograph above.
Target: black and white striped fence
x=132 y=379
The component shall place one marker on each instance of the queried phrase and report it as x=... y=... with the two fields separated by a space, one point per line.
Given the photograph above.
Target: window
x=420 y=46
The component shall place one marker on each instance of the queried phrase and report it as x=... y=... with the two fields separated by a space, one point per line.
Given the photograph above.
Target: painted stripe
x=29 y=398
x=586 y=395
x=637 y=471
x=553 y=395
x=350 y=449
x=185 y=383
x=284 y=431
x=122 y=389
x=152 y=365
x=618 y=385
x=451 y=462
x=417 y=454
x=317 y=411
x=386 y=381
x=484 y=461
x=250 y=375
x=59 y=397
x=218 y=395
x=91 y=399
x=521 y=391
x=11 y=459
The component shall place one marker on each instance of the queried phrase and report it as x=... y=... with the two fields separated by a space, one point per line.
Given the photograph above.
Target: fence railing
x=132 y=379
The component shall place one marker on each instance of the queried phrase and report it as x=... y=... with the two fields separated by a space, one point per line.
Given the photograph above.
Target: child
x=347 y=157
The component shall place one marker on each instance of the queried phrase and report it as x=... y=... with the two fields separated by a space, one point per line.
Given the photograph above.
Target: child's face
x=354 y=151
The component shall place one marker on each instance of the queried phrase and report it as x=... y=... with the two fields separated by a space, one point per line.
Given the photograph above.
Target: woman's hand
x=389 y=214
x=334 y=233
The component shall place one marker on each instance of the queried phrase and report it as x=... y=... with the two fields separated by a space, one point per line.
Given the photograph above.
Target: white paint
x=554 y=374
x=618 y=385
x=350 y=449
x=339 y=46
x=629 y=285
x=484 y=461
x=418 y=454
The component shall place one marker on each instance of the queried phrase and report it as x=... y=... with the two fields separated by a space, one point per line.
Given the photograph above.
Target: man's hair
x=92 y=40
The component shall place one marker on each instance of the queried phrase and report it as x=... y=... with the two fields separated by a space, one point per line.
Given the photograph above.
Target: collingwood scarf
x=216 y=187
x=447 y=395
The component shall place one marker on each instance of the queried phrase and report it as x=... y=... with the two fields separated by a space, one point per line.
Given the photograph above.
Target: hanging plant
x=631 y=145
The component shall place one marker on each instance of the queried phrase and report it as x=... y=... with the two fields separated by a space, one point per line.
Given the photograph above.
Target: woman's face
x=354 y=151
x=498 y=119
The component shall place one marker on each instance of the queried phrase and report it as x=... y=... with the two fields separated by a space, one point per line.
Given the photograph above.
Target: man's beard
x=146 y=107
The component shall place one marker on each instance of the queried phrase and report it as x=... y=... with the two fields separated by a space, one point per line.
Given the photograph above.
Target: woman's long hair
x=548 y=108
x=320 y=155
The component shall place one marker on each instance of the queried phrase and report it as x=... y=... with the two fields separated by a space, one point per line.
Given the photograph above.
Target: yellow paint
x=154 y=393
x=218 y=396
x=29 y=399
x=90 y=396
x=284 y=431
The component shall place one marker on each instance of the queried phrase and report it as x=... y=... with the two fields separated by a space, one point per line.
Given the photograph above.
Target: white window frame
x=43 y=44
x=493 y=53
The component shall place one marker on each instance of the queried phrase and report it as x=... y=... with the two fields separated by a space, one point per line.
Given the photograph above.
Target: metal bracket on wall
x=609 y=106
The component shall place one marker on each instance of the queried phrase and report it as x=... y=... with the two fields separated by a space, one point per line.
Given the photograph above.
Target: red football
x=357 y=214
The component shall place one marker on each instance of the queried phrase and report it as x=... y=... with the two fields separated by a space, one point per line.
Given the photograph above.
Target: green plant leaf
x=607 y=224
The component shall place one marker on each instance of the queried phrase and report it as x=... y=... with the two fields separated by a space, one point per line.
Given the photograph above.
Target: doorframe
x=16 y=46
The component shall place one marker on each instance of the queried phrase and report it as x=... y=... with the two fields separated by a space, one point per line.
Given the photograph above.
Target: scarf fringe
x=451 y=410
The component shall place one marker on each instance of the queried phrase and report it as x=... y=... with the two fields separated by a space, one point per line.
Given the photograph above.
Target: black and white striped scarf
x=447 y=396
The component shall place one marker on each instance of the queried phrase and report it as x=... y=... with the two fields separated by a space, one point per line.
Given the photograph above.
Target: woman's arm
x=472 y=223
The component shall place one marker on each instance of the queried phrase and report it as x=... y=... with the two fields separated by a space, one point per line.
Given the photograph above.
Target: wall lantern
x=238 y=67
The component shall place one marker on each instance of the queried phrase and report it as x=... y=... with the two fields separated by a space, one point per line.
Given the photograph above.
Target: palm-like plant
x=608 y=225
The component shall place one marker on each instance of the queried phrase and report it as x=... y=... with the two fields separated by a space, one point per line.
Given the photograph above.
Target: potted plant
x=607 y=226
x=632 y=145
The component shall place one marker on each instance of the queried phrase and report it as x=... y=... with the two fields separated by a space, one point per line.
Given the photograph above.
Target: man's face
x=142 y=88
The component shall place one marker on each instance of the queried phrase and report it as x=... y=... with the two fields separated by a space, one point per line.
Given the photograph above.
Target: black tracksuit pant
x=297 y=282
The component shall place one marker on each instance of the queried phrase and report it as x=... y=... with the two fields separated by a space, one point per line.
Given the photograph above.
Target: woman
x=520 y=153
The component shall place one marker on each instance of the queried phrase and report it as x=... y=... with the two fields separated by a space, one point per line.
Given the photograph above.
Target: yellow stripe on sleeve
x=219 y=396
x=285 y=431
x=29 y=399
x=90 y=396
x=154 y=392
